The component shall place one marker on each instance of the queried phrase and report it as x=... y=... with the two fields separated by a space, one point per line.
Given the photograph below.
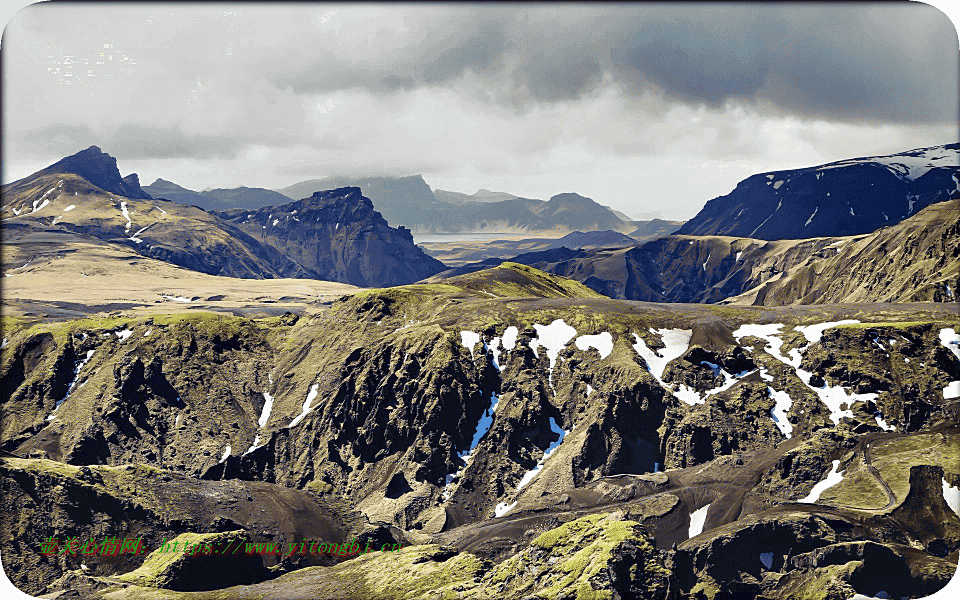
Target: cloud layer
x=474 y=93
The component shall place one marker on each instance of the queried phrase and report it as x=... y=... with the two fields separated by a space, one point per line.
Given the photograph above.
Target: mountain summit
x=100 y=169
x=847 y=197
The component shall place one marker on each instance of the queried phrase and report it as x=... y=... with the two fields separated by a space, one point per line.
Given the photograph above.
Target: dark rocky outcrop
x=100 y=169
x=337 y=235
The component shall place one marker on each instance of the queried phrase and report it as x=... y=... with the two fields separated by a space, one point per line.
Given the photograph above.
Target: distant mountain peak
x=100 y=169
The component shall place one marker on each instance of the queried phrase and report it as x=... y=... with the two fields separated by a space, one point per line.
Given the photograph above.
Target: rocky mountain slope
x=915 y=260
x=217 y=199
x=410 y=202
x=58 y=203
x=521 y=423
x=843 y=198
x=336 y=235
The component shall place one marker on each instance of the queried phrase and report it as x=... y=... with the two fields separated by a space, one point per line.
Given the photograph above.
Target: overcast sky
x=650 y=109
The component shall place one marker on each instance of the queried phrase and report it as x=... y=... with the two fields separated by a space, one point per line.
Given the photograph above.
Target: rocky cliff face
x=336 y=235
x=485 y=411
x=848 y=197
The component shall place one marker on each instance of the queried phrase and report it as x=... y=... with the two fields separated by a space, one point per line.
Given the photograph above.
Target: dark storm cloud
x=888 y=62
x=437 y=46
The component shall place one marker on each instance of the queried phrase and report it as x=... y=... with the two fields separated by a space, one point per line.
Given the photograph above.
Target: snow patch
x=69 y=208
x=76 y=377
x=123 y=335
x=697 y=519
x=553 y=337
x=160 y=209
x=226 y=453
x=44 y=204
x=832 y=396
x=676 y=342
x=510 y=337
x=483 y=426
x=777 y=184
x=951 y=494
x=176 y=298
x=589 y=390
x=779 y=412
x=503 y=508
x=812 y=216
x=529 y=475
x=883 y=424
x=833 y=478
x=254 y=445
x=469 y=339
x=950 y=340
x=306 y=406
x=952 y=390
x=603 y=342
x=267 y=407
x=814 y=333
x=126 y=215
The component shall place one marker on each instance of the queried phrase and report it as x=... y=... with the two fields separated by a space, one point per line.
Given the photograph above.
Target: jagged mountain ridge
x=847 y=197
x=380 y=403
x=338 y=236
x=915 y=260
x=56 y=201
x=93 y=165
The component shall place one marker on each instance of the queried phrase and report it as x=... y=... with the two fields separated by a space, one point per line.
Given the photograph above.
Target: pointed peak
x=100 y=169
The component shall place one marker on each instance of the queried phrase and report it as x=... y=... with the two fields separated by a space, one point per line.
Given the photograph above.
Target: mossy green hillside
x=564 y=562
x=894 y=458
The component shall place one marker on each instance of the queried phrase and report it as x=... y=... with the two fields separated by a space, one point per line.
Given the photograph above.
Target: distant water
x=465 y=237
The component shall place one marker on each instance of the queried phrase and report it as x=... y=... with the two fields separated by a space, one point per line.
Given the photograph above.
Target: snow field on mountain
x=833 y=397
x=832 y=479
x=676 y=342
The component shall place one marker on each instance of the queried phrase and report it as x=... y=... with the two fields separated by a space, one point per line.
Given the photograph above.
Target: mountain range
x=218 y=199
x=912 y=261
x=410 y=202
x=592 y=424
x=348 y=240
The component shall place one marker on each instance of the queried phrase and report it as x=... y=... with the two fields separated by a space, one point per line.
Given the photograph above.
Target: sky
x=649 y=109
